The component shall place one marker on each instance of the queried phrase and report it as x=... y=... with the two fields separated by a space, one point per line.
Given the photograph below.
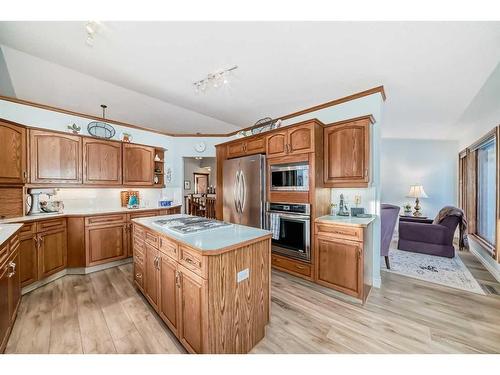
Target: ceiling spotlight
x=213 y=80
x=91 y=28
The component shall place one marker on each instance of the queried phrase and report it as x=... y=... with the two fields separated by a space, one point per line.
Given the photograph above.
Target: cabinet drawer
x=139 y=258
x=46 y=225
x=105 y=219
x=191 y=260
x=14 y=243
x=27 y=230
x=152 y=239
x=139 y=232
x=337 y=231
x=169 y=248
x=291 y=265
x=4 y=253
x=139 y=275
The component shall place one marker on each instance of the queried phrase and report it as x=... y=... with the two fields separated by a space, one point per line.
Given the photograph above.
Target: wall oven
x=291 y=227
x=290 y=177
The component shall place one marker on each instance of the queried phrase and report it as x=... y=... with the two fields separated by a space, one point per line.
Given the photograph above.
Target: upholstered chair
x=388 y=219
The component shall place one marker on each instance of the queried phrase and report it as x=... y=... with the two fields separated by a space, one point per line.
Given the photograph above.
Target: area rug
x=445 y=271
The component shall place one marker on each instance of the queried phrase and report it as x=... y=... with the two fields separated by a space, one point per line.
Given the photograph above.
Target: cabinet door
x=138 y=164
x=347 y=155
x=235 y=149
x=169 y=292
x=106 y=243
x=301 y=139
x=52 y=255
x=55 y=158
x=102 y=162
x=255 y=146
x=12 y=154
x=151 y=284
x=276 y=144
x=28 y=261
x=340 y=265
x=192 y=311
x=14 y=284
x=4 y=305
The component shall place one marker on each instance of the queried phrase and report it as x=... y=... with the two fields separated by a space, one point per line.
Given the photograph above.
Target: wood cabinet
x=138 y=164
x=340 y=259
x=12 y=154
x=28 y=262
x=192 y=315
x=152 y=270
x=102 y=162
x=52 y=256
x=106 y=238
x=293 y=266
x=106 y=243
x=247 y=146
x=10 y=287
x=169 y=305
x=347 y=153
x=55 y=158
x=296 y=140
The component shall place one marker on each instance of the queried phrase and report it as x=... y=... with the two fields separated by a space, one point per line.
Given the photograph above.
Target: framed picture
x=187 y=185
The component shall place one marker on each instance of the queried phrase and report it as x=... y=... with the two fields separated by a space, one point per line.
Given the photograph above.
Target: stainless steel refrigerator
x=244 y=190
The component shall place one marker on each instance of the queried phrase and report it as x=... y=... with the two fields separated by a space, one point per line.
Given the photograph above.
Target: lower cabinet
x=192 y=315
x=10 y=289
x=52 y=256
x=106 y=243
x=28 y=259
x=340 y=261
x=152 y=269
x=169 y=293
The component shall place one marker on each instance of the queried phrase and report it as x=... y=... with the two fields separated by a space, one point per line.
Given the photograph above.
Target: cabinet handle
x=177 y=279
x=366 y=172
x=138 y=276
x=24 y=176
x=12 y=266
x=300 y=267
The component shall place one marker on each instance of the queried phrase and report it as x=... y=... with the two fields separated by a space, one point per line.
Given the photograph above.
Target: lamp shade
x=417 y=191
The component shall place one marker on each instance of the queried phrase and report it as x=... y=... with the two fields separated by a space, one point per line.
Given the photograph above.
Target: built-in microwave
x=290 y=177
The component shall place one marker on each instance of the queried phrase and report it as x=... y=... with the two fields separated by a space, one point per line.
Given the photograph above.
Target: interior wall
x=205 y=165
x=431 y=163
x=6 y=87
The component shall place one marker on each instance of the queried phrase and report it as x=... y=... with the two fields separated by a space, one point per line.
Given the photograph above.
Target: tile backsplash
x=75 y=199
x=367 y=195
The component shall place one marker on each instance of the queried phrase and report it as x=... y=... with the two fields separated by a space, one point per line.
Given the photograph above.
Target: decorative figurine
x=126 y=137
x=343 y=211
x=75 y=129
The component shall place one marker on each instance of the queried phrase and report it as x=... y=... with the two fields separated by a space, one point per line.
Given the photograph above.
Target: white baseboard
x=74 y=271
x=488 y=266
x=377 y=281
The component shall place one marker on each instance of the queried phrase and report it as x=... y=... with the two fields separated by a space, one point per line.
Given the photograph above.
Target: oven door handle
x=296 y=217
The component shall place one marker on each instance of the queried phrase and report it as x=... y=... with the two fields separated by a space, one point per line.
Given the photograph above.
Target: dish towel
x=275 y=225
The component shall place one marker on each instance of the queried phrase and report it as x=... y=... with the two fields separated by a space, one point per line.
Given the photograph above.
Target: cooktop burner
x=190 y=224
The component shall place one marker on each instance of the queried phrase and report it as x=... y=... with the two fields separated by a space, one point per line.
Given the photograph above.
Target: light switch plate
x=242 y=275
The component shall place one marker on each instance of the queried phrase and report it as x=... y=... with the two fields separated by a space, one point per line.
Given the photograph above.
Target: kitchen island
x=210 y=286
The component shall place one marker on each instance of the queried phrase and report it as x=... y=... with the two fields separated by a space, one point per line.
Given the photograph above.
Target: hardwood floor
x=103 y=313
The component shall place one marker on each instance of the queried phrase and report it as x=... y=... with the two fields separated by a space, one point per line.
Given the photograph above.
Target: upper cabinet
x=251 y=146
x=347 y=153
x=12 y=154
x=102 y=162
x=297 y=139
x=55 y=158
x=138 y=164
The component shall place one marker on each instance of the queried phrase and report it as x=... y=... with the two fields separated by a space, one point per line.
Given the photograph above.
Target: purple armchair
x=432 y=239
x=388 y=218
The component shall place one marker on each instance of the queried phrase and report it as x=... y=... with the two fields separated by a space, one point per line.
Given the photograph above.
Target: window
x=478 y=196
x=486 y=191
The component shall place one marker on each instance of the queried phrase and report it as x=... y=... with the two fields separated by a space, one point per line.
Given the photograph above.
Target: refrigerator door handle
x=236 y=190
x=242 y=192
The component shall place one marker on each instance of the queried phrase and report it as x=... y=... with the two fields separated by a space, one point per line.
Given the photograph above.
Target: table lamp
x=417 y=191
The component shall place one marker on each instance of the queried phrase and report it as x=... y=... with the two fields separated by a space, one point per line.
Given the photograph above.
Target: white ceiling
x=144 y=71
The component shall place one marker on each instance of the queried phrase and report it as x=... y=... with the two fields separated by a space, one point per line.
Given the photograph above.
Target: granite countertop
x=347 y=220
x=84 y=212
x=7 y=230
x=211 y=240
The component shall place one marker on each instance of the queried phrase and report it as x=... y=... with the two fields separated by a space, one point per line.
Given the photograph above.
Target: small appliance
x=41 y=207
x=290 y=177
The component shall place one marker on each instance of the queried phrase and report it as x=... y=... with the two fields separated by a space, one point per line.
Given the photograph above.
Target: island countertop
x=362 y=222
x=210 y=242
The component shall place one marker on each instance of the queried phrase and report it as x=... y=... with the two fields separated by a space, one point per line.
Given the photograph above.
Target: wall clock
x=200 y=147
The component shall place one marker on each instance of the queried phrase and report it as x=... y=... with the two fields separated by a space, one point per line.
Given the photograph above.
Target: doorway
x=201 y=182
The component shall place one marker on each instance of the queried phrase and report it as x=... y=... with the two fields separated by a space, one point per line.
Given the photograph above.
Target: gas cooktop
x=190 y=224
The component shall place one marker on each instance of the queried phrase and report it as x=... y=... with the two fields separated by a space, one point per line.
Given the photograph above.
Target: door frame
x=195 y=174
